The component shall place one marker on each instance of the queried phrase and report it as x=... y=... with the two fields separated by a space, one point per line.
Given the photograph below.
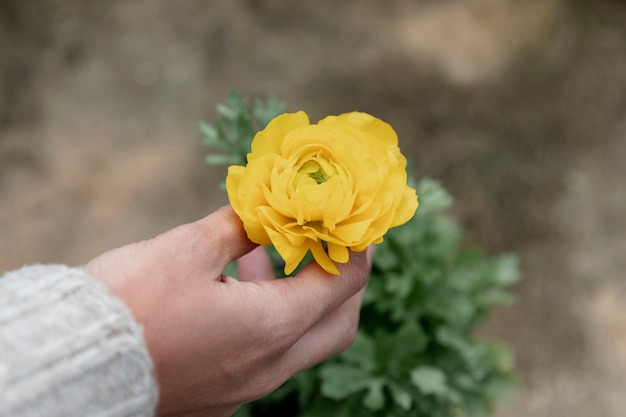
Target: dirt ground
x=517 y=107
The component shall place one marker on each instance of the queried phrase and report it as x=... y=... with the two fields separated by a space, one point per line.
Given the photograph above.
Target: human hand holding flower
x=218 y=342
x=327 y=188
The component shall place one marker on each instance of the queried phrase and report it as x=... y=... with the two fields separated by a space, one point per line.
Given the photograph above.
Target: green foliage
x=235 y=126
x=415 y=353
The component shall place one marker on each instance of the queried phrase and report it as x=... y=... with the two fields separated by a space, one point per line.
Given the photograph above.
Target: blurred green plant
x=236 y=123
x=415 y=353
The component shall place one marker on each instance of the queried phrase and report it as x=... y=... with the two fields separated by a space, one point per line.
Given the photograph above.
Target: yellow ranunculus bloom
x=328 y=187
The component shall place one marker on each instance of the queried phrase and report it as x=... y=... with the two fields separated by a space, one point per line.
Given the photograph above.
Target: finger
x=255 y=266
x=211 y=242
x=335 y=289
x=227 y=235
x=296 y=304
x=333 y=334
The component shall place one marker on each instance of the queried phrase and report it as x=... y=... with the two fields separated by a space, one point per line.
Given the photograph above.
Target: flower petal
x=407 y=207
x=352 y=232
x=338 y=253
x=292 y=255
x=322 y=258
x=366 y=122
x=233 y=179
x=269 y=140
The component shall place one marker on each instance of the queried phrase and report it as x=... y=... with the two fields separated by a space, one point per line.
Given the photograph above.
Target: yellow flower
x=328 y=187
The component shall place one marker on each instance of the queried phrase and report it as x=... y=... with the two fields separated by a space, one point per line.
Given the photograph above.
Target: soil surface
x=517 y=107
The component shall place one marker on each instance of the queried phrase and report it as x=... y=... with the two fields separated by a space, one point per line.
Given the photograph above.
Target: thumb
x=213 y=241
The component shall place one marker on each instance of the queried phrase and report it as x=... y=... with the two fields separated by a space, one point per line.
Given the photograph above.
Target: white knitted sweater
x=69 y=348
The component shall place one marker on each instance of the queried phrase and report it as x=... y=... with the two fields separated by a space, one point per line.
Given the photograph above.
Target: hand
x=218 y=342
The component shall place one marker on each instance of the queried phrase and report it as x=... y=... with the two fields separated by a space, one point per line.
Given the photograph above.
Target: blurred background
x=517 y=107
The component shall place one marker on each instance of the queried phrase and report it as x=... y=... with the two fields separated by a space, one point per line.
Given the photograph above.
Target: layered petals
x=326 y=188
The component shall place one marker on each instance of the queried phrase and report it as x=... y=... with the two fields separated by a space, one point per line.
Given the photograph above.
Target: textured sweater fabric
x=68 y=347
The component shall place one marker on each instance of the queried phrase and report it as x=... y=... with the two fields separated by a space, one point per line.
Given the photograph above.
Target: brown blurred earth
x=517 y=107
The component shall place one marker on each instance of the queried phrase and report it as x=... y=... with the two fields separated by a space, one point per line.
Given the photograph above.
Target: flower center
x=313 y=169
x=319 y=176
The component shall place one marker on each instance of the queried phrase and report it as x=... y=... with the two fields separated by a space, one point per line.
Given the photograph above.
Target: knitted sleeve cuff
x=68 y=347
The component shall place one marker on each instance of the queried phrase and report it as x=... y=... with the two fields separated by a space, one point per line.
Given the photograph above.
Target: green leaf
x=400 y=285
x=406 y=343
x=237 y=102
x=208 y=131
x=322 y=407
x=385 y=258
x=226 y=112
x=506 y=271
x=221 y=159
x=211 y=137
x=235 y=126
x=400 y=396
x=433 y=198
x=306 y=385
x=265 y=112
x=362 y=353
x=498 y=297
x=430 y=381
x=340 y=381
x=374 y=399
x=452 y=338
